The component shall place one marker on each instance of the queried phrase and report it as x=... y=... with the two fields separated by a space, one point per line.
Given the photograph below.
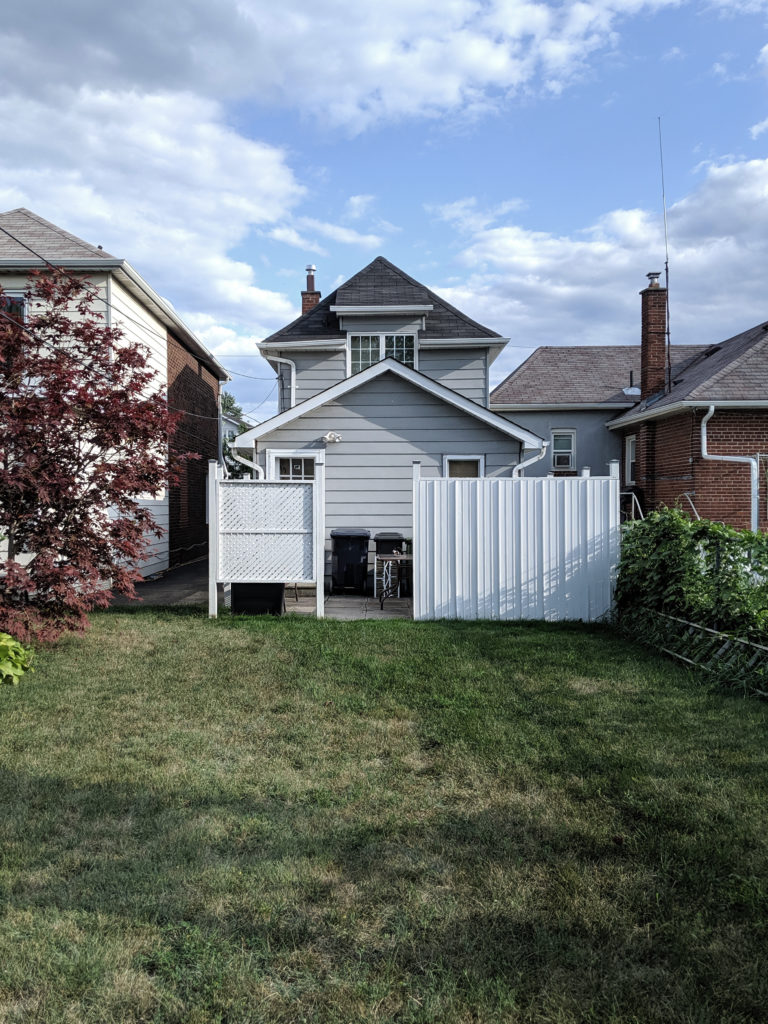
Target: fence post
x=318 y=516
x=416 y=542
x=213 y=538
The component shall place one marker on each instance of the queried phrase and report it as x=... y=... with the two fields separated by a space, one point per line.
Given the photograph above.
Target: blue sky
x=505 y=153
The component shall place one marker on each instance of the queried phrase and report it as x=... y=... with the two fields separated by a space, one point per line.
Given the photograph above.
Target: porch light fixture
x=332 y=437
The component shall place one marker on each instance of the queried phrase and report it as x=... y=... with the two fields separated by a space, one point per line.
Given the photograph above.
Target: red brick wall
x=669 y=463
x=194 y=389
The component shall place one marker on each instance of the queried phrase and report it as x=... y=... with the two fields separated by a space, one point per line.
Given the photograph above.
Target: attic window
x=367 y=349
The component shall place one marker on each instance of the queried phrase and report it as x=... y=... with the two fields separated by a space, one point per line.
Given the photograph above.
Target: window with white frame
x=367 y=349
x=463 y=466
x=13 y=307
x=563 y=449
x=630 y=458
x=297 y=465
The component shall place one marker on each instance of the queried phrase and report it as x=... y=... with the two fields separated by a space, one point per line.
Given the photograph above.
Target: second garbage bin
x=350 y=560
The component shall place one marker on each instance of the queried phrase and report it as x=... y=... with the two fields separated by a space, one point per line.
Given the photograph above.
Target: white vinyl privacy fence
x=538 y=548
x=265 y=531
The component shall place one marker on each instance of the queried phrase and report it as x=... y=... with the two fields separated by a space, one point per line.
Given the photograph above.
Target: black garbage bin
x=349 y=551
x=258 y=598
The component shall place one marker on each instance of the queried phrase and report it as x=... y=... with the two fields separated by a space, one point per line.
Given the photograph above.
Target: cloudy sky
x=503 y=152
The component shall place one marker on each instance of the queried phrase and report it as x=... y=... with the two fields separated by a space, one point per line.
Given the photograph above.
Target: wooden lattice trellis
x=729 y=660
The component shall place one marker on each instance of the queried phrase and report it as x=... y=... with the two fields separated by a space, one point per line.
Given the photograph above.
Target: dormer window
x=367 y=349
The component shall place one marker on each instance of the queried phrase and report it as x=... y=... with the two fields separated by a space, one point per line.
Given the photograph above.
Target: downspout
x=289 y=362
x=529 y=462
x=254 y=468
x=753 y=467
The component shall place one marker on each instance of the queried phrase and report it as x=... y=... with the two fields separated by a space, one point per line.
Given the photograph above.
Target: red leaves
x=83 y=436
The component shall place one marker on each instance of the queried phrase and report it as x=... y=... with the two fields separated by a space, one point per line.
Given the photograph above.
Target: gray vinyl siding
x=595 y=444
x=386 y=424
x=315 y=371
x=462 y=369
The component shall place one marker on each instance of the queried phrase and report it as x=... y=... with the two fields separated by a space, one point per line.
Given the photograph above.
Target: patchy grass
x=290 y=820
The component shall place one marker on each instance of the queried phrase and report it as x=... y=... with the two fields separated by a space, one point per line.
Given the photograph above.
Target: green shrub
x=15 y=659
x=697 y=570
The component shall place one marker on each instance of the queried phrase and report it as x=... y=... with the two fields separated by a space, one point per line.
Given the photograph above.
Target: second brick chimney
x=309 y=297
x=653 y=338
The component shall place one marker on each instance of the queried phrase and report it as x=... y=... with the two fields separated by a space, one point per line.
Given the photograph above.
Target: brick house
x=699 y=435
x=694 y=432
x=181 y=362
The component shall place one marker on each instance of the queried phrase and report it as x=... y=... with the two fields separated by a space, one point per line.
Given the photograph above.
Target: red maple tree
x=84 y=430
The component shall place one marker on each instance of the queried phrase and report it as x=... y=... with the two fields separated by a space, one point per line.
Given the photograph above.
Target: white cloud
x=759 y=128
x=358 y=206
x=543 y=289
x=351 y=63
x=159 y=179
x=466 y=214
x=337 y=233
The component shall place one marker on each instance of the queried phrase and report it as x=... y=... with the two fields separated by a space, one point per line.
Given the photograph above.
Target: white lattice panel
x=251 y=505
x=265 y=532
x=266 y=558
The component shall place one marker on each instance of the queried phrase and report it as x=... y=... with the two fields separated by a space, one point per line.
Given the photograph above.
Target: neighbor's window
x=295 y=468
x=563 y=449
x=13 y=307
x=367 y=349
x=630 y=458
x=463 y=466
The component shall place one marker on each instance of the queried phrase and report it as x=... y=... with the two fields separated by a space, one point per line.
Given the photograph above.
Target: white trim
x=419 y=380
x=479 y=459
x=273 y=454
x=627 y=460
x=560 y=406
x=465 y=342
x=677 y=407
x=356 y=310
x=324 y=344
x=572 y=433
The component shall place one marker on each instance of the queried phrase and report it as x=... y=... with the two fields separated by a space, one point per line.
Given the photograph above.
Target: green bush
x=697 y=570
x=15 y=659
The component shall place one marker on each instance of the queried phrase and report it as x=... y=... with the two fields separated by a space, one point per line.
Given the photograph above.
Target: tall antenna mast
x=666 y=261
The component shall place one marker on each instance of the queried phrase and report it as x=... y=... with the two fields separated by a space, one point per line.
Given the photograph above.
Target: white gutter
x=753 y=468
x=529 y=462
x=289 y=362
x=651 y=413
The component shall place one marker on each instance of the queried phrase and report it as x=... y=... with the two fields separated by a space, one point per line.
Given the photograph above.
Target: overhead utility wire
x=110 y=305
x=666 y=264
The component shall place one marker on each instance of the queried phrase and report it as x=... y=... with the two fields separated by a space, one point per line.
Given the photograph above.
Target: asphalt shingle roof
x=579 y=374
x=43 y=238
x=381 y=283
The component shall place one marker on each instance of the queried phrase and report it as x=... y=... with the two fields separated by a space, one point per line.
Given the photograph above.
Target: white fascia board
x=559 y=406
x=300 y=346
x=463 y=342
x=419 y=380
x=364 y=310
x=677 y=407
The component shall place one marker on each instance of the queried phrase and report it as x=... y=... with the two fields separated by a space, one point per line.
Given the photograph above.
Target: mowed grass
x=291 y=820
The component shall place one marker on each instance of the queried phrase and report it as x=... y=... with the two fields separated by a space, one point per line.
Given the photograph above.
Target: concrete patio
x=188 y=585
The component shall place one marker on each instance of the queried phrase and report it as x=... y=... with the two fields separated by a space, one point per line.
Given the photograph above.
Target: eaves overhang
x=373 y=310
x=683 y=406
x=419 y=380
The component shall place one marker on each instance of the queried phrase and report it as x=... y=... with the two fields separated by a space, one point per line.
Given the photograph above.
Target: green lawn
x=290 y=820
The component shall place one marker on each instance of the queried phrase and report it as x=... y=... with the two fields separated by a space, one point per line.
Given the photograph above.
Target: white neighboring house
x=183 y=365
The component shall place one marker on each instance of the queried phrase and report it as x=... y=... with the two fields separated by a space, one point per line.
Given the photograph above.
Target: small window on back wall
x=12 y=307
x=630 y=458
x=294 y=468
x=563 y=449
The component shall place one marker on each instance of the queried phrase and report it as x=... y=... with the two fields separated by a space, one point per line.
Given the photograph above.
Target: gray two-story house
x=379 y=374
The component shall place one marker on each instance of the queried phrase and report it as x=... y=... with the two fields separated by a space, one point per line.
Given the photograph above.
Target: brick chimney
x=653 y=338
x=309 y=297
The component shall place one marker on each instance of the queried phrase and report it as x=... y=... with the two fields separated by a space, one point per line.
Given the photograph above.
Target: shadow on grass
x=508 y=908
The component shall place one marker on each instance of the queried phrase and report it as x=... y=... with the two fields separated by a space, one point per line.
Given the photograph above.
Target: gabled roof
x=432 y=387
x=735 y=372
x=590 y=375
x=381 y=283
x=49 y=241
x=28 y=241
